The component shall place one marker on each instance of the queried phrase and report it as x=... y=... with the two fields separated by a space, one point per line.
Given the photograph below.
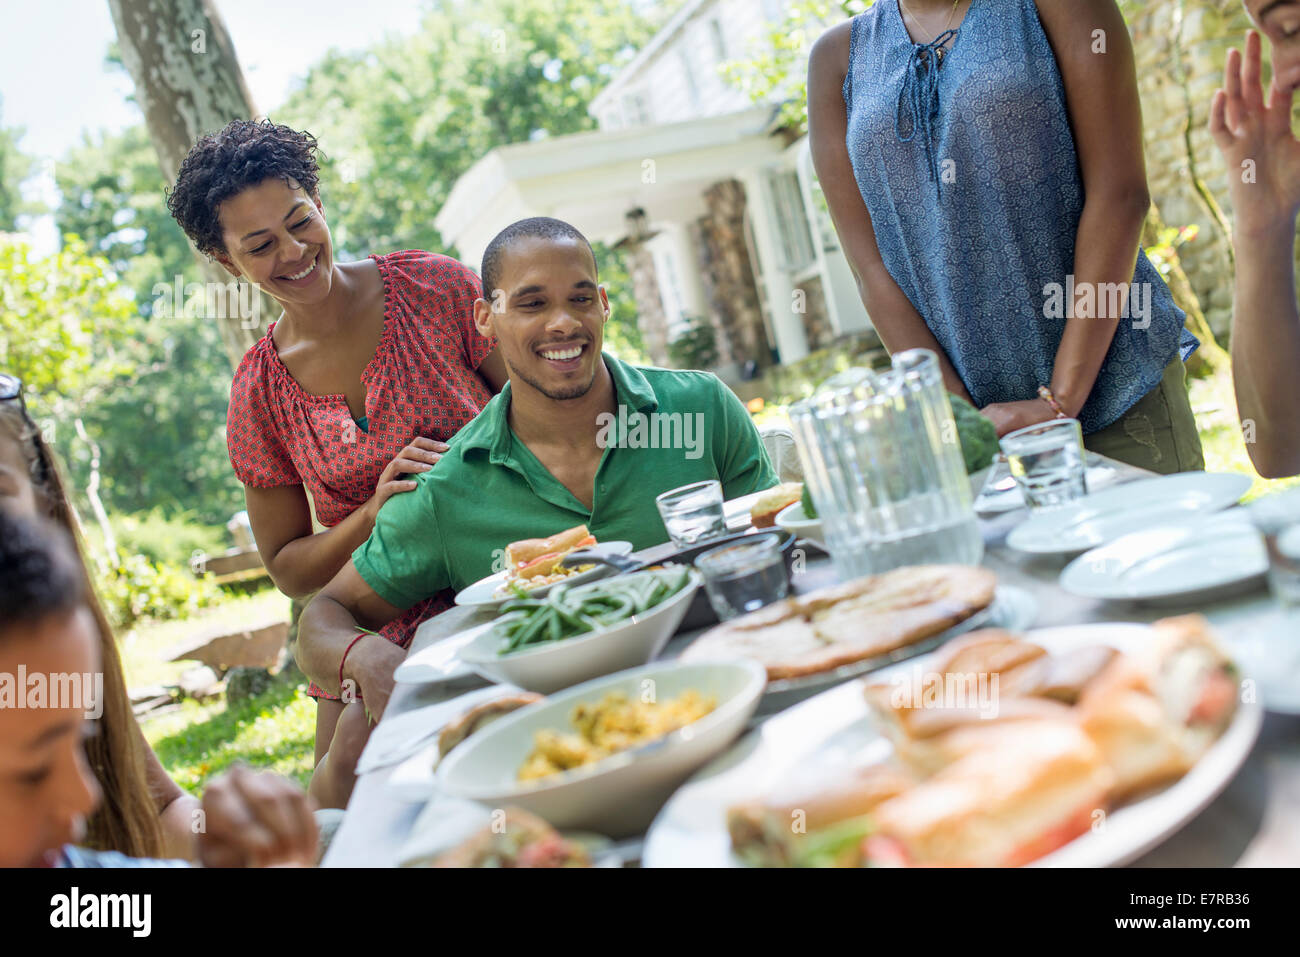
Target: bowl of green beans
x=577 y=633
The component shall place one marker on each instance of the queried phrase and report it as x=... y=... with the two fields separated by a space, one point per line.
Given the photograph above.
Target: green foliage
x=160 y=427
x=140 y=589
x=161 y=431
x=979 y=437
x=15 y=168
x=112 y=196
x=162 y=538
x=622 y=335
x=697 y=347
x=402 y=121
x=776 y=69
x=66 y=323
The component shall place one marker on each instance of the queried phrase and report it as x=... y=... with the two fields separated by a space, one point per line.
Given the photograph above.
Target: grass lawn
x=275 y=730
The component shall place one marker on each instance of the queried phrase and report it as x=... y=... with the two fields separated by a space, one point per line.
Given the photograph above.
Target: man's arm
x=1263 y=159
x=332 y=622
x=743 y=464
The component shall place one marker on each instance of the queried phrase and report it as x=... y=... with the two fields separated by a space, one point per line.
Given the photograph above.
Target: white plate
x=1171 y=561
x=1268 y=649
x=1105 y=516
x=483 y=593
x=553 y=665
x=619 y=795
x=439 y=661
x=835 y=729
x=736 y=512
x=792 y=519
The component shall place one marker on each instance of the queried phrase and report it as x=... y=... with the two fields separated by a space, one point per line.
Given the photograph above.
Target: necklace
x=952 y=13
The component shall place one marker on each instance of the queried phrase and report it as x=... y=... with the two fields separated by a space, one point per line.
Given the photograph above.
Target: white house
x=719 y=212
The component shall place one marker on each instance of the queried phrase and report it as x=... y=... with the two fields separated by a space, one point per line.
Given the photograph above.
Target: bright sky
x=53 y=80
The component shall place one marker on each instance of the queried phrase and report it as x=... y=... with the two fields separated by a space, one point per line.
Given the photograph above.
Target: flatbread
x=836 y=626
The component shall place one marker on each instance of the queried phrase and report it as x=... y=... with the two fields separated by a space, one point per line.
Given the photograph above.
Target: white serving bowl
x=553 y=665
x=619 y=795
x=792 y=519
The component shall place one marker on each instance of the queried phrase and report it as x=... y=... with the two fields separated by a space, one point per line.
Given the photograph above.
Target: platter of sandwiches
x=533 y=565
x=1078 y=746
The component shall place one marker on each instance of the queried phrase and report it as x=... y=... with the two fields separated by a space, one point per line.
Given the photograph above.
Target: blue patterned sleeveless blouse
x=971 y=177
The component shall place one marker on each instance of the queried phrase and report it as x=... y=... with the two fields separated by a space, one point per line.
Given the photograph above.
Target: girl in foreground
x=47 y=789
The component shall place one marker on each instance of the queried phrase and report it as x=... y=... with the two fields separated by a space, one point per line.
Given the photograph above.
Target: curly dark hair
x=222 y=165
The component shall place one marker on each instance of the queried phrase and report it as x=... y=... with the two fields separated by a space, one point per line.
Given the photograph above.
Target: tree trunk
x=188 y=83
x=92 y=493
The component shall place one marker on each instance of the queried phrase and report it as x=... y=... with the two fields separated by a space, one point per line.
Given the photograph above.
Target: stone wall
x=816 y=320
x=1180 y=47
x=650 y=318
x=724 y=266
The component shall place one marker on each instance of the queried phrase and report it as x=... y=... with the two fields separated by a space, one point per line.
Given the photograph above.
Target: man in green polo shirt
x=575 y=437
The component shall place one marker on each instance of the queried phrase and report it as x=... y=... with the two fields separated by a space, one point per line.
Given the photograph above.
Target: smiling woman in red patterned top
x=372 y=367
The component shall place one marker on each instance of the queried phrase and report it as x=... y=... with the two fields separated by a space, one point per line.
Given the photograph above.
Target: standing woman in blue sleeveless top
x=983 y=164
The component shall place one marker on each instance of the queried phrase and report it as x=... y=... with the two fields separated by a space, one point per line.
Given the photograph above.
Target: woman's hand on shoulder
x=420 y=456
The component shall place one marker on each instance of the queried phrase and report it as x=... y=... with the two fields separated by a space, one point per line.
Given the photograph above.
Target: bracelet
x=1045 y=394
x=342 y=661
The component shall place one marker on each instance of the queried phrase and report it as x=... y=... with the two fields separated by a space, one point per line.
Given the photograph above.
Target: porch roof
x=592 y=179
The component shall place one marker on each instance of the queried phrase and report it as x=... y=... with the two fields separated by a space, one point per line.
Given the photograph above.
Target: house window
x=791 y=221
x=688 y=77
x=719 y=41
x=822 y=225
x=636 y=111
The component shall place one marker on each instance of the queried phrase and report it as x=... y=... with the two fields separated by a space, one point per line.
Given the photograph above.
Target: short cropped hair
x=221 y=165
x=39 y=577
x=536 y=227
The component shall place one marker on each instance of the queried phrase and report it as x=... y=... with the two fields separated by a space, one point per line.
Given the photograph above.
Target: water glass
x=741 y=577
x=1048 y=462
x=1277 y=516
x=693 y=513
x=882 y=457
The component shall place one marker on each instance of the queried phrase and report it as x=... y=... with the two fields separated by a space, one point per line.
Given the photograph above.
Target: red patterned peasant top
x=421 y=381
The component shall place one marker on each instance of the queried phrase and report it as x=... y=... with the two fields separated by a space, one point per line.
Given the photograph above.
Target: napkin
x=397 y=737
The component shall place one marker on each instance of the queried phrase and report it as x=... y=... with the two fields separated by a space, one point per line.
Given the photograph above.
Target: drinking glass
x=1277 y=516
x=693 y=513
x=882 y=458
x=741 y=577
x=1048 y=462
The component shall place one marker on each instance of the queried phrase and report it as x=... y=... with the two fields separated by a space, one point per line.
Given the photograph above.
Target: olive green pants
x=1159 y=432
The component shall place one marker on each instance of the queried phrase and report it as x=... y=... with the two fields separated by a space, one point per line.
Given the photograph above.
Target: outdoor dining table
x=1255 y=821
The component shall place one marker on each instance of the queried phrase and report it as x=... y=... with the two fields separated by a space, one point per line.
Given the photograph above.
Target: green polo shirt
x=671 y=428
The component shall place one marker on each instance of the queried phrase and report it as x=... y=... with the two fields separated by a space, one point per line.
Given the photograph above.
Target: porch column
x=787 y=324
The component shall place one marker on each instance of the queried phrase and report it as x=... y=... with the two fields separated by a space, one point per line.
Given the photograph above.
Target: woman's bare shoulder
x=830 y=52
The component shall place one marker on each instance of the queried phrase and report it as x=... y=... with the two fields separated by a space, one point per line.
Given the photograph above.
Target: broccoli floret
x=979 y=437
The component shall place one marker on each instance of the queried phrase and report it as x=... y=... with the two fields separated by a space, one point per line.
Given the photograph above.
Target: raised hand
x=1254 y=134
